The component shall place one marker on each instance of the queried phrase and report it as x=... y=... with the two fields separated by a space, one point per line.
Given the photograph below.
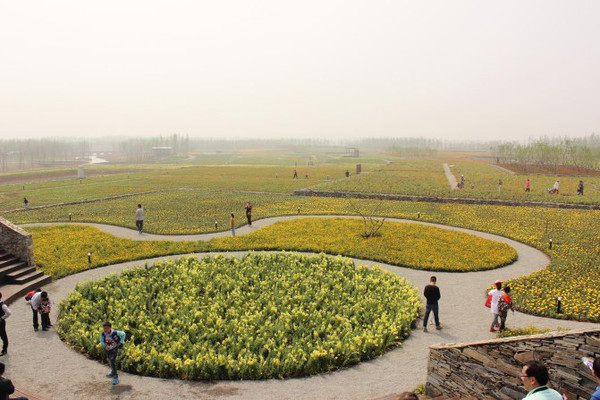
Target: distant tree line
x=30 y=153
x=551 y=153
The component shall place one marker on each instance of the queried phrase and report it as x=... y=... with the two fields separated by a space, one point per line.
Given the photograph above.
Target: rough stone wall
x=492 y=369
x=432 y=199
x=16 y=241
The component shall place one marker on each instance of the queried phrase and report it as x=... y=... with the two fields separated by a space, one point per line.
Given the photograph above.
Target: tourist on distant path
x=496 y=294
x=504 y=304
x=432 y=294
x=295 y=175
x=4 y=313
x=499 y=185
x=139 y=218
x=596 y=373
x=407 y=396
x=111 y=341
x=347 y=174
x=248 y=208
x=44 y=309
x=462 y=181
x=535 y=377
x=232 y=223
x=6 y=386
x=26 y=202
x=580 y=188
x=34 y=301
x=527 y=185
x=555 y=188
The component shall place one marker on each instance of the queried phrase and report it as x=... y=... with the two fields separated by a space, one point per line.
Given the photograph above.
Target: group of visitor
x=552 y=190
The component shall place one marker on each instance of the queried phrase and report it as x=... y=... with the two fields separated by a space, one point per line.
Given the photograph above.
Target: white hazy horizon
x=459 y=70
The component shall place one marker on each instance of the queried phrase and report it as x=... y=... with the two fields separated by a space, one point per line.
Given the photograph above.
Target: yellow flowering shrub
x=62 y=250
x=262 y=316
x=403 y=244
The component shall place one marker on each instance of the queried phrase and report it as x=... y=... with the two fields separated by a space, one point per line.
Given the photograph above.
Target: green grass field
x=187 y=203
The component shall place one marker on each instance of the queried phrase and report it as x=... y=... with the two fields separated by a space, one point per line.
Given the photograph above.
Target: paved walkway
x=450 y=176
x=42 y=363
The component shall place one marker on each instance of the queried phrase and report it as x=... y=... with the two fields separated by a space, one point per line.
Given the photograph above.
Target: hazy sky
x=442 y=69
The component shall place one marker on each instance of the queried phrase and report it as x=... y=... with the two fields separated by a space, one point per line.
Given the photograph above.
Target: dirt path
x=450 y=176
x=41 y=362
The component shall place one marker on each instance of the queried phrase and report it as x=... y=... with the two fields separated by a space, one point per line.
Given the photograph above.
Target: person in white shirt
x=555 y=188
x=496 y=294
x=4 y=313
x=35 y=302
x=139 y=218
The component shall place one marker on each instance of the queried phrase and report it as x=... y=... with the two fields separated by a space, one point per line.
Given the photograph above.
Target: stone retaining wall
x=492 y=369
x=432 y=199
x=16 y=241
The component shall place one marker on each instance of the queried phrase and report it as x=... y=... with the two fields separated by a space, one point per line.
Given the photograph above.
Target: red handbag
x=488 y=302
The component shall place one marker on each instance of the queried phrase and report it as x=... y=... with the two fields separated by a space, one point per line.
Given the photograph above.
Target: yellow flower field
x=400 y=244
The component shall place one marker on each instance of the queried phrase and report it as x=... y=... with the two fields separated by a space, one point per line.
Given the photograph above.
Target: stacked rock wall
x=16 y=241
x=492 y=369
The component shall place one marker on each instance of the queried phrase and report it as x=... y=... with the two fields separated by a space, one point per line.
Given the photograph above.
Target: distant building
x=165 y=151
x=352 y=152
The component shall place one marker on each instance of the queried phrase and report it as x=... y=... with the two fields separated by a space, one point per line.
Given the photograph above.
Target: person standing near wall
x=432 y=294
x=535 y=378
x=4 y=314
x=596 y=373
x=139 y=218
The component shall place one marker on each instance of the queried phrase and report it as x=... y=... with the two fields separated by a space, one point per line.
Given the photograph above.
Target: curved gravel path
x=41 y=362
x=450 y=176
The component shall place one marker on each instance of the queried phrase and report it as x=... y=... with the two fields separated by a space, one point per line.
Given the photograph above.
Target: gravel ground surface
x=41 y=362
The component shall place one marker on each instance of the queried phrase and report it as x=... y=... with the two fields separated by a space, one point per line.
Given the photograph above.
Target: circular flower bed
x=261 y=316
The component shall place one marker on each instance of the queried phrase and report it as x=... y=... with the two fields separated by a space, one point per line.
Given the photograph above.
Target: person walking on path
x=496 y=294
x=4 y=313
x=499 y=185
x=26 y=202
x=295 y=175
x=248 y=208
x=527 y=185
x=139 y=218
x=504 y=305
x=111 y=341
x=432 y=294
x=535 y=378
x=232 y=223
x=6 y=386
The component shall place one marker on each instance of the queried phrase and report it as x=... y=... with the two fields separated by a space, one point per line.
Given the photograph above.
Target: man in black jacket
x=432 y=294
x=6 y=387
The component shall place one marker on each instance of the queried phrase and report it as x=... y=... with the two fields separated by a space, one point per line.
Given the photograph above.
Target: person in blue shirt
x=596 y=373
x=112 y=340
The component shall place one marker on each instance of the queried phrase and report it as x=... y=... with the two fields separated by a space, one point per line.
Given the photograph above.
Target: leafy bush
x=261 y=316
